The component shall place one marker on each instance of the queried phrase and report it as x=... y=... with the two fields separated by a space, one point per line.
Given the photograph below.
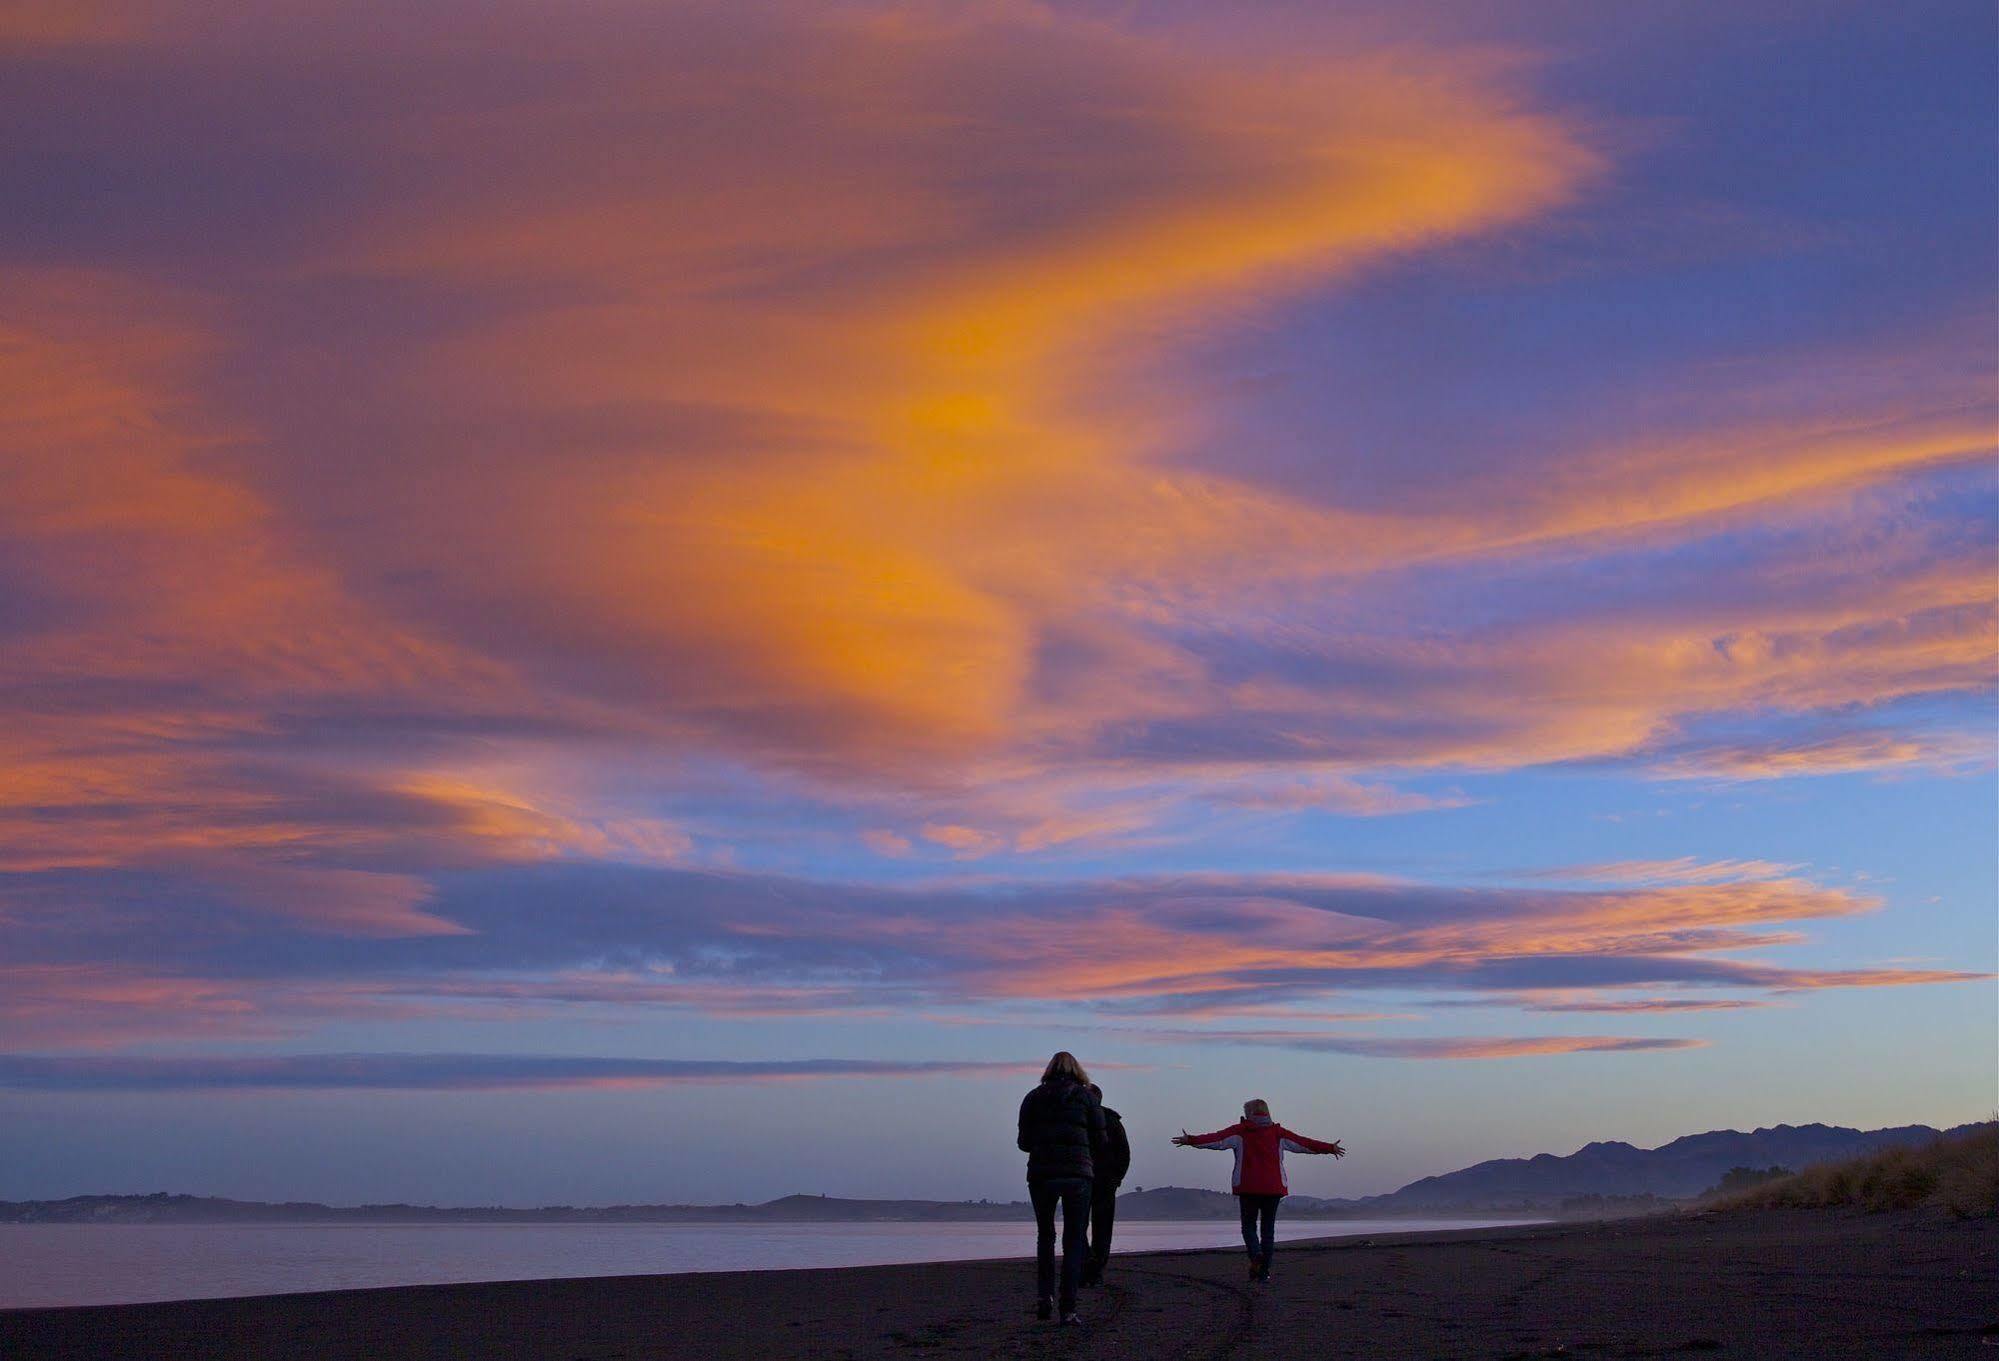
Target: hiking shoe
x=1255 y=1268
x=1072 y=1319
x=1045 y=1309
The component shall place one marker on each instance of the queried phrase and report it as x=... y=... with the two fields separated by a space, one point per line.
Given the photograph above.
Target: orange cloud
x=799 y=389
x=181 y=623
x=781 y=434
x=853 y=493
x=964 y=840
x=42 y=25
x=903 y=497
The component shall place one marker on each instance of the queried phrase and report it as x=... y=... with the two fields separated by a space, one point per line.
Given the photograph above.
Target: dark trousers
x=1265 y=1209
x=1103 y=1218
x=1073 y=1195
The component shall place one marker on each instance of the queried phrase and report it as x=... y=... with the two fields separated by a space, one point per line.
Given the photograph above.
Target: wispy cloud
x=442 y=1072
x=1842 y=753
x=1684 y=869
x=1645 y=1005
x=1431 y=1047
x=1334 y=793
x=1609 y=1006
x=640 y=938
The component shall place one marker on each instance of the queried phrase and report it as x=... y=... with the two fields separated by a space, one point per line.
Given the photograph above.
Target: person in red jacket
x=1259 y=1144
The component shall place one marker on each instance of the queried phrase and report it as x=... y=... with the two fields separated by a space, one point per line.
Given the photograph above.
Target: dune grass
x=1959 y=1174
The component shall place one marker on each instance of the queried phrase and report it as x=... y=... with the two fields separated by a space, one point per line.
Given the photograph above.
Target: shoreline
x=1796 y=1283
x=1496 y=1219
x=80 y=1265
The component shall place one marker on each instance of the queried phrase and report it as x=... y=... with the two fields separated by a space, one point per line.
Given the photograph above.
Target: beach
x=45 y=1266
x=1804 y=1284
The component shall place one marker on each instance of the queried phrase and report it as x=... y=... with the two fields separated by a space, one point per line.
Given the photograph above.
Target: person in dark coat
x=1062 y=1133
x=1112 y=1165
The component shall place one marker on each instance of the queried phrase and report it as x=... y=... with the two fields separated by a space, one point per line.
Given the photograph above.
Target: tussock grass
x=1959 y=1174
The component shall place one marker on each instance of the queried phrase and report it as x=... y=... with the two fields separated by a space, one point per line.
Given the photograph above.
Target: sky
x=657 y=601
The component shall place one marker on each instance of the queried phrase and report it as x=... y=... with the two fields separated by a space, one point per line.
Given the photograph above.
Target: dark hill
x=1176 y=1202
x=1678 y=1170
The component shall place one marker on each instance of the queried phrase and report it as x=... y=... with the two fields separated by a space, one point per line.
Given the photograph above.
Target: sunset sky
x=652 y=601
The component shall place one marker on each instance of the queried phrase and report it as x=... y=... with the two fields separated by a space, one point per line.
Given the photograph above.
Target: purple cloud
x=442 y=1072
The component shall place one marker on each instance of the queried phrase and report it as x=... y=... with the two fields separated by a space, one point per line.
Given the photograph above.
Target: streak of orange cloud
x=1648 y=1005
x=1428 y=1047
x=964 y=840
x=42 y=25
x=1684 y=869
x=1142 y=946
x=187 y=619
x=1838 y=754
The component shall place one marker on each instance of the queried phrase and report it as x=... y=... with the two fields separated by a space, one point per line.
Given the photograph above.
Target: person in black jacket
x=1111 y=1165
x=1061 y=1132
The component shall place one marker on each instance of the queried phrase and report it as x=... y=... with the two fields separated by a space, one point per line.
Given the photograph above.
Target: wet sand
x=1805 y=1284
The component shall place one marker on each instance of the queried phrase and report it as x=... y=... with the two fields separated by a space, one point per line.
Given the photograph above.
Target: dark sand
x=1800 y=1283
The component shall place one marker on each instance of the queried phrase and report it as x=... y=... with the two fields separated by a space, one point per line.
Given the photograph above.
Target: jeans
x=1264 y=1208
x=1103 y=1218
x=1073 y=1195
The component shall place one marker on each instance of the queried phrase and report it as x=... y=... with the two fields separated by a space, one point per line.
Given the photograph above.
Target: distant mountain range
x=1598 y=1175
x=1679 y=1170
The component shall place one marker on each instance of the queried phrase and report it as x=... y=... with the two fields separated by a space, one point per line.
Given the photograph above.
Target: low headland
x=1598 y=1180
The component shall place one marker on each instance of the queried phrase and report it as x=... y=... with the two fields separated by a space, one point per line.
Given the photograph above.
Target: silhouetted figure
x=1112 y=1164
x=1259 y=1144
x=1061 y=1132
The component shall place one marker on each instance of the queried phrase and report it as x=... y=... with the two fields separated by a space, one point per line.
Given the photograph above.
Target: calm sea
x=53 y=1264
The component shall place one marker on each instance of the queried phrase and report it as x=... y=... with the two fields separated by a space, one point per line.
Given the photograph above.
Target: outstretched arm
x=1298 y=1143
x=1186 y=1140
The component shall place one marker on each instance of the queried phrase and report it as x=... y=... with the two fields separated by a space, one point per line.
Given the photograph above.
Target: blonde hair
x=1256 y=1106
x=1064 y=1065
